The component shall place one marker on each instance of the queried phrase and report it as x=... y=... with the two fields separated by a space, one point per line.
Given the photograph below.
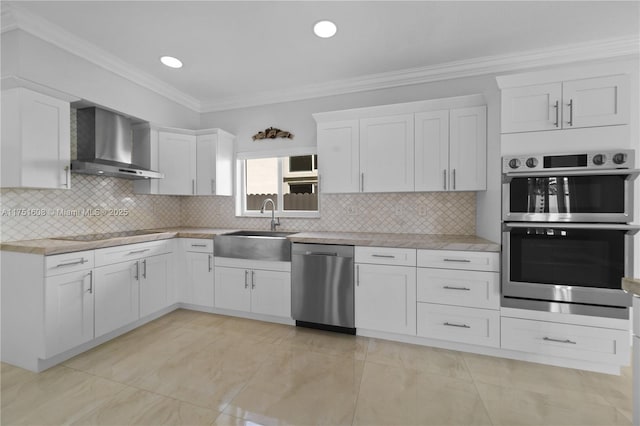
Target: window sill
x=290 y=215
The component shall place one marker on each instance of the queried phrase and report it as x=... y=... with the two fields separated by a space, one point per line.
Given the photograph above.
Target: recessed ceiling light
x=325 y=29
x=171 y=62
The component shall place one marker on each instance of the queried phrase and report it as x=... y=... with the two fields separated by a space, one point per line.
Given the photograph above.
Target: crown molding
x=14 y=17
x=555 y=56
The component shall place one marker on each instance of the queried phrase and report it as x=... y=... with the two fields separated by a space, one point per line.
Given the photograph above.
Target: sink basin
x=256 y=245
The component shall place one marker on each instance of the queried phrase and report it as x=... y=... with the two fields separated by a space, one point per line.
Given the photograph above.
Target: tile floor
x=194 y=368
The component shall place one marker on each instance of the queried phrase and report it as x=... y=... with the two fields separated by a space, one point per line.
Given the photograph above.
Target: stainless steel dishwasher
x=322 y=293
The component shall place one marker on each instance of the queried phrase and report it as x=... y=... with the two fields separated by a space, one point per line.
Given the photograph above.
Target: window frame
x=241 y=185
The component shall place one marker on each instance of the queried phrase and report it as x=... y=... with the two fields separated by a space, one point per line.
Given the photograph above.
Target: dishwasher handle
x=319 y=253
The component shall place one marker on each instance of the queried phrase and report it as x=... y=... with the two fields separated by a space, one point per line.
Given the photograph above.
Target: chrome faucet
x=275 y=221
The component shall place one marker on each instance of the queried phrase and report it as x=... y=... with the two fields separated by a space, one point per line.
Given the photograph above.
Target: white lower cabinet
x=68 y=311
x=636 y=360
x=271 y=293
x=155 y=284
x=459 y=324
x=458 y=296
x=241 y=287
x=116 y=296
x=232 y=289
x=566 y=340
x=198 y=288
x=385 y=298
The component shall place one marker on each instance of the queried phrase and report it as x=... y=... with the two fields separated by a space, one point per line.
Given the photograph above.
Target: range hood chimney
x=105 y=146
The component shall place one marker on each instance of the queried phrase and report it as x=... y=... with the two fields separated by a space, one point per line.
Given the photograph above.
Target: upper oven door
x=569 y=196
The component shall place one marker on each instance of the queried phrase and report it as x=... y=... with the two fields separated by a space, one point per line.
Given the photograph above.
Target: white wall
x=32 y=58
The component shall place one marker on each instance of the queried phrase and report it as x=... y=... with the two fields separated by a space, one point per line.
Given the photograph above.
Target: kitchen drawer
x=566 y=340
x=454 y=259
x=385 y=256
x=68 y=262
x=201 y=245
x=474 y=289
x=111 y=255
x=458 y=324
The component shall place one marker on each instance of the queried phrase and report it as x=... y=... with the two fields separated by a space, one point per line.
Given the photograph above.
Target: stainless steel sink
x=257 y=245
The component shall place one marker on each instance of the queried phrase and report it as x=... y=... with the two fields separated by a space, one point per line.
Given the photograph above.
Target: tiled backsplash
x=101 y=204
x=417 y=213
x=94 y=204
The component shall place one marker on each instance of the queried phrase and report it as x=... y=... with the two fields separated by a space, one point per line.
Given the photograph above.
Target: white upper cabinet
x=386 y=154
x=339 y=156
x=450 y=149
x=588 y=102
x=417 y=146
x=177 y=160
x=214 y=163
x=468 y=149
x=193 y=163
x=36 y=140
x=432 y=150
x=593 y=102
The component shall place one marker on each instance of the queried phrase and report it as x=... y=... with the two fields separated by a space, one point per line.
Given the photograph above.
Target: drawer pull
x=138 y=251
x=457 y=260
x=386 y=256
x=77 y=262
x=456 y=288
x=549 y=339
x=448 y=324
x=198 y=245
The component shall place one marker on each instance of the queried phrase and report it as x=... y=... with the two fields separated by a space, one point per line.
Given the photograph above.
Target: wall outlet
x=352 y=210
x=422 y=211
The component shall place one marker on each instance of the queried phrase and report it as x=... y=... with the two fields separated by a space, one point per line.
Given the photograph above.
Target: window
x=291 y=182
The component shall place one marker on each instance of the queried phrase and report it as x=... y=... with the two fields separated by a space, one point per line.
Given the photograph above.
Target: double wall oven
x=568 y=232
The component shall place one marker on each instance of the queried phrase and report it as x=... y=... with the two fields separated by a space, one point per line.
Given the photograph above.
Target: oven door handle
x=631 y=229
x=631 y=173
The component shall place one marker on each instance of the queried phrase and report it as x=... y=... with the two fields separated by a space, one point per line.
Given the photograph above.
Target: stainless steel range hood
x=105 y=146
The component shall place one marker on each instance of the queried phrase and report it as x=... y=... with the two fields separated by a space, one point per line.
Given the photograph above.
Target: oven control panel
x=595 y=160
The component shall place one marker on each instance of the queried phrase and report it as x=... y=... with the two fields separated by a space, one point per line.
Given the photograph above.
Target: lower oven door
x=570 y=263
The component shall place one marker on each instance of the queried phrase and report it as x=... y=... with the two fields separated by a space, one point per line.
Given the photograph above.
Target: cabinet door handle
x=362 y=182
x=198 y=245
x=90 y=291
x=358 y=275
x=138 y=251
x=144 y=269
x=457 y=260
x=549 y=339
x=77 y=262
x=444 y=176
x=454 y=179
x=449 y=324
x=570 y=122
x=557 y=107
x=387 y=256
x=246 y=278
x=456 y=288
x=213 y=186
x=137 y=275
x=253 y=279
x=193 y=186
x=210 y=267
x=66 y=176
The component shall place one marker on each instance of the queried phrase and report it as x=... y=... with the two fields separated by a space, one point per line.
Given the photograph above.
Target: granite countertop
x=632 y=285
x=51 y=246
x=414 y=241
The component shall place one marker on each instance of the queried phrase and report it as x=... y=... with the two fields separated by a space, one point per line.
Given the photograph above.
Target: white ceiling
x=235 y=50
